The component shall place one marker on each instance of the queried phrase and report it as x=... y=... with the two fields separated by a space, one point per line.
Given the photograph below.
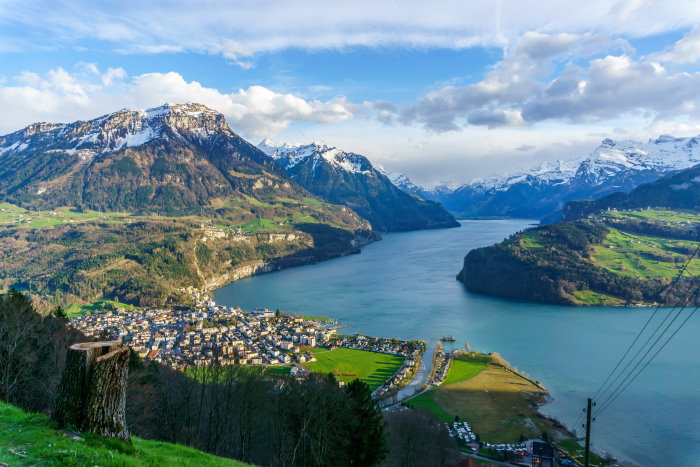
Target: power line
x=601 y=389
x=651 y=336
x=641 y=332
x=607 y=404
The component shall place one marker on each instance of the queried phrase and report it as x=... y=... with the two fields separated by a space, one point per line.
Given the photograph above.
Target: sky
x=444 y=91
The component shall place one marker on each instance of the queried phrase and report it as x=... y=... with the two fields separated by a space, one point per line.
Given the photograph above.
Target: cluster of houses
x=210 y=335
x=412 y=351
x=441 y=366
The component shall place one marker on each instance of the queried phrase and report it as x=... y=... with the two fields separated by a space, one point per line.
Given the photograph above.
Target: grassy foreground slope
x=31 y=439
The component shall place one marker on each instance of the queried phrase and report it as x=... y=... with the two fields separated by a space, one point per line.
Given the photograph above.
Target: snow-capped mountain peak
x=118 y=130
x=290 y=155
x=666 y=153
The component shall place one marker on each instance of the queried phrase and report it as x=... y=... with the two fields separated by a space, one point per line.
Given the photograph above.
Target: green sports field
x=348 y=364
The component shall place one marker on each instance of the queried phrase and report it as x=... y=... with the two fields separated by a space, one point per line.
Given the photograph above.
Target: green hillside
x=86 y=215
x=611 y=258
x=83 y=256
x=31 y=439
x=622 y=249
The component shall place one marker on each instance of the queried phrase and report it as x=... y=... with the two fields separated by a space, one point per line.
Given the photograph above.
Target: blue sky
x=445 y=91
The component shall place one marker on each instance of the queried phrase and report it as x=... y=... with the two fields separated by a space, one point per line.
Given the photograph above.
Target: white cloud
x=61 y=96
x=686 y=50
x=235 y=52
x=540 y=79
x=240 y=29
x=113 y=75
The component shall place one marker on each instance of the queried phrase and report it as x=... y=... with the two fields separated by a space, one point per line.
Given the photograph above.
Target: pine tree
x=368 y=444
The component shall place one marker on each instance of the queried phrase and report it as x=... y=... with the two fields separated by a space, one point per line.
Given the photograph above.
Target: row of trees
x=240 y=412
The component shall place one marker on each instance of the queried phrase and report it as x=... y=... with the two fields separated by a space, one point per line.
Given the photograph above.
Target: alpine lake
x=404 y=286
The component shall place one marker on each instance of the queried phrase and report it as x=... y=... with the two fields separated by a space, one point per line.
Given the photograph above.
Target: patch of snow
x=133 y=139
x=17 y=146
x=400 y=180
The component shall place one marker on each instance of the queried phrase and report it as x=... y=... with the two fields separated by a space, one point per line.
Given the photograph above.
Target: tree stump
x=92 y=394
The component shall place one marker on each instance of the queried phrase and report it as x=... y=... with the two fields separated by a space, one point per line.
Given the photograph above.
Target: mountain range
x=542 y=191
x=170 y=159
x=341 y=177
x=142 y=204
x=622 y=249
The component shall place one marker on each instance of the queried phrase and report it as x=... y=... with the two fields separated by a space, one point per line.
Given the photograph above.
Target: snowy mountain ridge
x=290 y=155
x=115 y=131
x=666 y=153
x=543 y=190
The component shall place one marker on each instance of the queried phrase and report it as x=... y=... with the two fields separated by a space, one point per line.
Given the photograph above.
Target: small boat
x=448 y=338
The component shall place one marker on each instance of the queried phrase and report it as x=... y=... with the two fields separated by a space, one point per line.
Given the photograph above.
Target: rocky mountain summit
x=347 y=178
x=169 y=159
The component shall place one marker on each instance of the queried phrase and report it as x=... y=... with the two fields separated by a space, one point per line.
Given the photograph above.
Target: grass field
x=499 y=405
x=33 y=436
x=576 y=451
x=589 y=297
x=531 y=239
x=349 y=364
x=657 y=215
x=644 y=256
x=81 y=309
x=20 y=217
x=321 y=319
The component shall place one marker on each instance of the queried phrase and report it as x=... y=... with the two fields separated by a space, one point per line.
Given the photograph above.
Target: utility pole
x=588 y=431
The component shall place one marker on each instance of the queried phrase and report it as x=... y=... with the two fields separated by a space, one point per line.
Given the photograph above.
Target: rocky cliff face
x=350 y=179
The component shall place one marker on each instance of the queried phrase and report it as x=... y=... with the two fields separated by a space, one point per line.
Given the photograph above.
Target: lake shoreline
x=405 y=287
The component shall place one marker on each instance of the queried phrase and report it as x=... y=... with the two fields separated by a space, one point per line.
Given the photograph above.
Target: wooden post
x=92 y=394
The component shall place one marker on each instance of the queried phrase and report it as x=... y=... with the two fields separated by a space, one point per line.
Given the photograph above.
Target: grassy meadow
x=77 y=309
x=644 y=256
x=499 y=404
x=348 y=364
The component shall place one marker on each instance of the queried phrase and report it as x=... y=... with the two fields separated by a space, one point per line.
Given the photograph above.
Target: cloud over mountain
x=62 y=96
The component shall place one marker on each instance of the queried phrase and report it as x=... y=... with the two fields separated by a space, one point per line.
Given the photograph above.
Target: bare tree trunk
x=92 y=394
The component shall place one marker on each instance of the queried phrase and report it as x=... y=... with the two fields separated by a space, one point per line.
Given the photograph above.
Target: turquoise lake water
x=404 y=286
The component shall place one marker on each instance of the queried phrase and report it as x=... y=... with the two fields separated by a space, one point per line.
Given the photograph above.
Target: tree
x=417 y=439
x=367 y=435
x=32 y=350
x=59 y=312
